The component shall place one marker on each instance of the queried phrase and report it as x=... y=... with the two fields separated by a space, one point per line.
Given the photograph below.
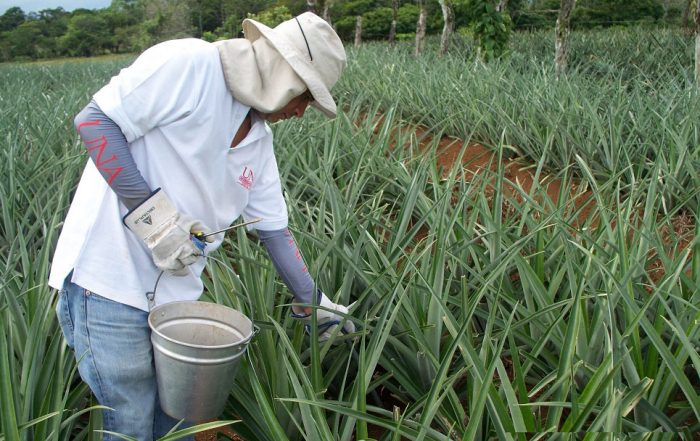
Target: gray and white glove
x=167 y=233
x=329 y=316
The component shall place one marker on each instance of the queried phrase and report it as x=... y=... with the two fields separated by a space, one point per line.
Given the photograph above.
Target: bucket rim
x=244 y=342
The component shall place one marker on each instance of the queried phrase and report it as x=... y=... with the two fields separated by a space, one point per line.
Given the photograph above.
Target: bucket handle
x=151 y=297
x=248 y=300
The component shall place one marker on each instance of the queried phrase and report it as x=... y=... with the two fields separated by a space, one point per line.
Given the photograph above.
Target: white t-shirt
x=179 y=118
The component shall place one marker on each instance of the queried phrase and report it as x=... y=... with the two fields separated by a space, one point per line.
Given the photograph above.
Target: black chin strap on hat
x=305 y=40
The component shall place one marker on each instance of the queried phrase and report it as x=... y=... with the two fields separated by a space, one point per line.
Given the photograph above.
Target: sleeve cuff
x=268 y=224
x=128 y=213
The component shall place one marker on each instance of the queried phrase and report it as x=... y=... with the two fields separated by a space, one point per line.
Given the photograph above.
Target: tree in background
x=394 y=15
x=11 y=19
x=347 y=12
x=686 y=12
x=318 y=7
x=448 y=18
x=54 y=23
x=125 y=18
x=24 y=41
x=421 y=26
x=32 y=36
x=599 y=13
x=273 y=16
x=491 y=27
x=311 y=5
x=229 y=14
x=87 y=35
x=167 y=19
x=207 y=15
x=611 y=12
x=327 y=11
x=561 y=32
x=133 y=25
x=697 y=42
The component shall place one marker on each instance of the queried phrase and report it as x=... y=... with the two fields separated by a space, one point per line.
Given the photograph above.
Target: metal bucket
x=197 y=347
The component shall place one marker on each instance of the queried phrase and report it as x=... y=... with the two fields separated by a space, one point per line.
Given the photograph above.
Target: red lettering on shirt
x=246 y=178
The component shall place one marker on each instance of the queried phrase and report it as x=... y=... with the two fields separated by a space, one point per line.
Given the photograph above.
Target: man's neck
x=242 y=130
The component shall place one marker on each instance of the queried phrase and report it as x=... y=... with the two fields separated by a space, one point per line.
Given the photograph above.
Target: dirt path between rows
x=576 y=201
x=518 y=174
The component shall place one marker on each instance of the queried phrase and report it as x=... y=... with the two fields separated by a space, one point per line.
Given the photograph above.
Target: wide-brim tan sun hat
x=313 y=50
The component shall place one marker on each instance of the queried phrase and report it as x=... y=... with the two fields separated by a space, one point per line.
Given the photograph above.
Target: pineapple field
x=535 y=277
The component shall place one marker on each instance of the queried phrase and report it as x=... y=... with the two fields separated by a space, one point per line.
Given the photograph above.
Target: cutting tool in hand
x=199 y=237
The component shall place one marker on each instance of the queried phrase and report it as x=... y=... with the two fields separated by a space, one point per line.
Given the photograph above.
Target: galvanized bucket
x=197 y=347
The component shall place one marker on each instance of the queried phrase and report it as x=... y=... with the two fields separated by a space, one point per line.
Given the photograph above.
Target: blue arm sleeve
x=288 y=262
x=110 y=152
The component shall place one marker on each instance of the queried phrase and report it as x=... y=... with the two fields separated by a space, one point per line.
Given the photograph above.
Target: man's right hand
x=166 y=232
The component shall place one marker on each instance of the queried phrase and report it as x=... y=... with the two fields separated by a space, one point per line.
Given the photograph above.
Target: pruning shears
x=199 y=237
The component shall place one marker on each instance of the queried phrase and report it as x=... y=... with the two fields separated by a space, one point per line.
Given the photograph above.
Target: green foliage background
x=129 y=26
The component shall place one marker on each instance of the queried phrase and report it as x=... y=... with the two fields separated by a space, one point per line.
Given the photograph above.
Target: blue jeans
x=112 y=343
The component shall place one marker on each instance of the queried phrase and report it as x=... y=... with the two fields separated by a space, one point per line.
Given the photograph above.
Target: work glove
x=327 y=318
x=167 y=233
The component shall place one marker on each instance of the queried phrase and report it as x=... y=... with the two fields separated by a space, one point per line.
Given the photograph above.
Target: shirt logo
x=147 y=220
x=246 y=178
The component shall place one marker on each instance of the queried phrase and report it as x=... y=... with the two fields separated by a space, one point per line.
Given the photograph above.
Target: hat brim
x=323 y=100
